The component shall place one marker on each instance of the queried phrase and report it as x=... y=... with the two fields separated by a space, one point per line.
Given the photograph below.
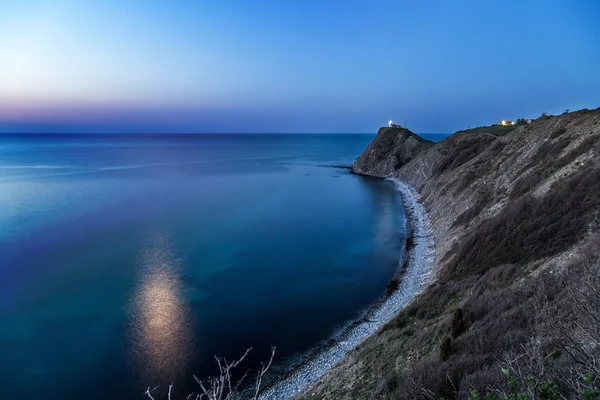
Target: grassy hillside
x=497 y=130
x=393 y=132
x=513 y=308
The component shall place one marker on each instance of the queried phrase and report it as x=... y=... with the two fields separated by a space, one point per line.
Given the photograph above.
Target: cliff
x=517 y=231
x=391 y=149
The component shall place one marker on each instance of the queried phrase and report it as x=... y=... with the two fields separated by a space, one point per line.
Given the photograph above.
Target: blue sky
x=292 y=66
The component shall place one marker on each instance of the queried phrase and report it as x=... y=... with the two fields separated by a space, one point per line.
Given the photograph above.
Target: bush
x=457 y=326
x=446 y=348
x=462 y=151
x=519 y=387
x=481 y=167
x=558 y=132
x=490 y=295
x=391 y=382
x=529 y=228
x=526 y=183
x=544 y=163
x=470 y=213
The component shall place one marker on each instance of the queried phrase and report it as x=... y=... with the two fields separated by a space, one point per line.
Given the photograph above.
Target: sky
x=293 y=66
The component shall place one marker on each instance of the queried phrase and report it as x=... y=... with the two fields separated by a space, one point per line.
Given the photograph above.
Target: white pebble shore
x=421 y=260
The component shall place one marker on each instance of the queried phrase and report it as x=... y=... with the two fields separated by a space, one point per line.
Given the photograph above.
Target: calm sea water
x=129 y=261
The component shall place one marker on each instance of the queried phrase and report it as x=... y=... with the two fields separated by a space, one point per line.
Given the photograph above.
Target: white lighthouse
x=390 y=123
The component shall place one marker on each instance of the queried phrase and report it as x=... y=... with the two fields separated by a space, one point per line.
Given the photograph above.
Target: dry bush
x=483 y=200
x=562 y=360
x=529 y=228
x=557 y=132
x=497 y=277
x=500 y=315
x=541 y=165
x=545 y=163
x=223 y=387
x=540 y=324
x=463 y=151
x=525 y=183
x=485 y=377
x=501 y=310
x=571 y=323
x=482 y=167
x=549 y=149
x=586 y=145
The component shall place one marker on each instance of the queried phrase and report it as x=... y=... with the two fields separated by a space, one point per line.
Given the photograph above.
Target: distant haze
x=292 y=66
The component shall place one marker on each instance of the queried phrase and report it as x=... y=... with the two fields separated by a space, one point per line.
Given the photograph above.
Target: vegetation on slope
x=391 y=149
x=498 y=130
x=513 y=313
x=529 y=228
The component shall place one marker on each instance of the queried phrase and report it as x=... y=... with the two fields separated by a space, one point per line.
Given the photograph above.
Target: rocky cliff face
x=513 y=217
x=469 y=177
x=391 y=149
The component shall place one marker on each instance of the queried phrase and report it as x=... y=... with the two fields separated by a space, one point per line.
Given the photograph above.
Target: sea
x=129 y=262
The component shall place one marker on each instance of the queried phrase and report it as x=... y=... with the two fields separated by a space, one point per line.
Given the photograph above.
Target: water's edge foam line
x=419 y=268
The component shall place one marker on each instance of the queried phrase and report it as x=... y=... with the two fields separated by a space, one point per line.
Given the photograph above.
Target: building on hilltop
x=523 y=121
x=506 y=123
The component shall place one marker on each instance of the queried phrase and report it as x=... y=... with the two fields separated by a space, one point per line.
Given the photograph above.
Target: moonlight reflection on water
x=177 y=248
x=160 y=325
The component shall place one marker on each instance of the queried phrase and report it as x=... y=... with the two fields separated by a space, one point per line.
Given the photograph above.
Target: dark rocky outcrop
x=516 y=221
x=391 y=149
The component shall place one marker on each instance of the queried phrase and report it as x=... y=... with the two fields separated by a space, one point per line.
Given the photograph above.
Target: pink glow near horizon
x=306 y=66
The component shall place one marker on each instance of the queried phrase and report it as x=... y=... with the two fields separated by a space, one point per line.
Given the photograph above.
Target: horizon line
x=207 y=133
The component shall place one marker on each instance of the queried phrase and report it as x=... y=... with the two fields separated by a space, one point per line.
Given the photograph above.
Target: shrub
x=586 y=145
x=470 y=213
x=519 y=387
x=457 y=325
x=557 y=132
x=462 y=151
x=526 y=183
x=544 y=163
x=446 y=348
x=529 y=228
x=481 y=167
x=391 y=382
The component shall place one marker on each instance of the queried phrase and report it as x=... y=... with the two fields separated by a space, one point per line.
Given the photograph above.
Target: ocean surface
x=129 y=261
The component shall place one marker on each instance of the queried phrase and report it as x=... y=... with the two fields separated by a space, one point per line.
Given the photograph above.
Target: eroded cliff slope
x=516 y=222
x=391 y=149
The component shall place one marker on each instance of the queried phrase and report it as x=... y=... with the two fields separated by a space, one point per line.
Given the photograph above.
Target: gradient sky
x=292 y=66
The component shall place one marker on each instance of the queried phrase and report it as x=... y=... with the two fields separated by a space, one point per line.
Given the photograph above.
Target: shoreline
x=414 y=271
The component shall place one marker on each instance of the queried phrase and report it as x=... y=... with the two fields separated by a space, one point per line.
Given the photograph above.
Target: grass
x=546 y=161
x=395 y=131
x=504 y=281
x=462 y=152
x=529 y=228
x=497 y=130
x=461 y=347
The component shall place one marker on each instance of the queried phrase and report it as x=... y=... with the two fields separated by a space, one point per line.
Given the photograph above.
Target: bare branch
x=221 y=387
x=263 y=370
x=148 y=392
